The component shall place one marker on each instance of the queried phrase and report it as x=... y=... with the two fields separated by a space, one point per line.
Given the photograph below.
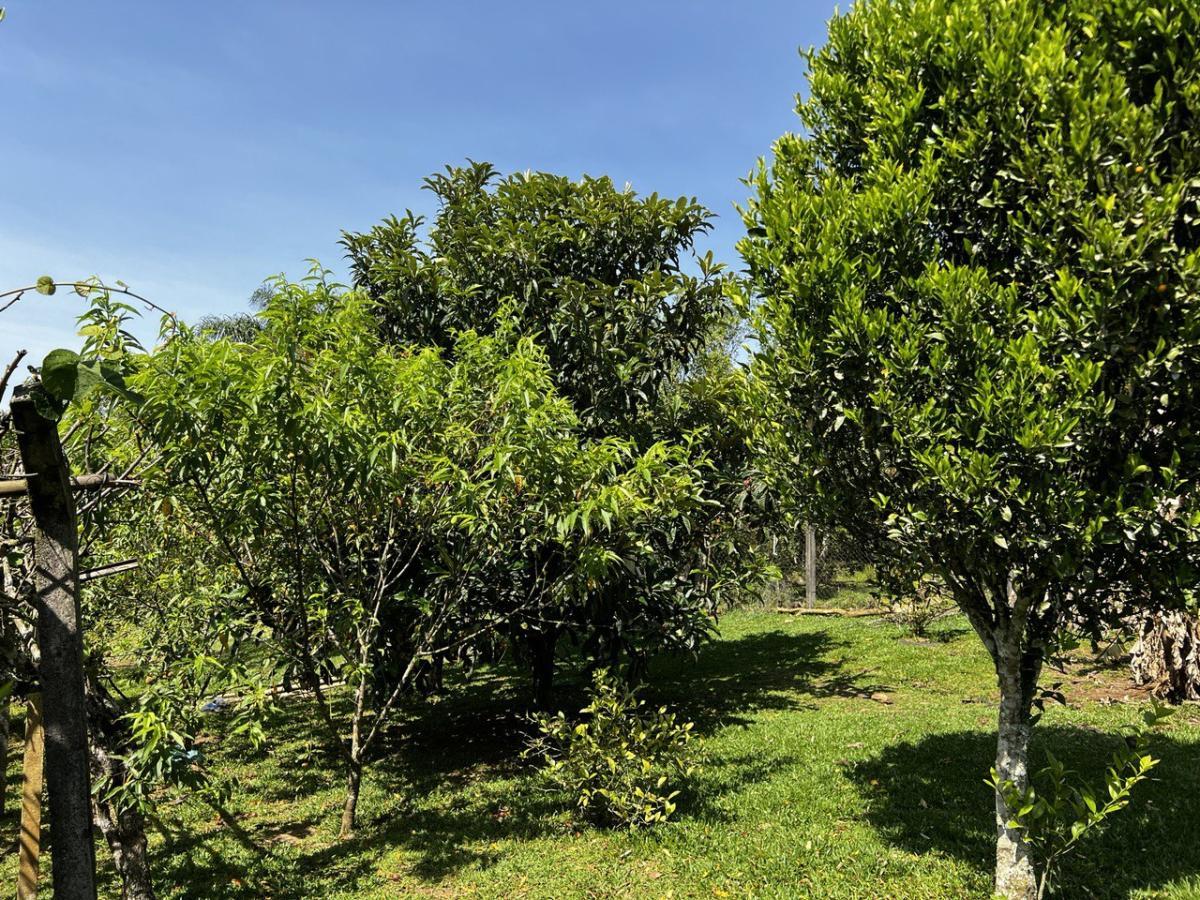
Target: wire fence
x=816 y=566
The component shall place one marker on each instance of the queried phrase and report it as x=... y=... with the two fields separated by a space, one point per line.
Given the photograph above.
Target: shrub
x=918 y=603
x=621 y=760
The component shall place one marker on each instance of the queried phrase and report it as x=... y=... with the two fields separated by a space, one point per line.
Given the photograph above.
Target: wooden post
x=56 y=600
x=31 y=802
x=810 y=566
x=5 y=729
x=5 y=703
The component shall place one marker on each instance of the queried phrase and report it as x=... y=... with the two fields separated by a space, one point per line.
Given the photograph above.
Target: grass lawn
x=840 y=759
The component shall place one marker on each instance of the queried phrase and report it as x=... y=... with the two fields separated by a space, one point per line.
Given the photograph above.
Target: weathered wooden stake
x=810 y=565
x=56 y=599
x=5 y=728
x=31 y=802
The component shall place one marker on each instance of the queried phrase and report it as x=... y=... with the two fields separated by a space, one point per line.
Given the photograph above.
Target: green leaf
x=60 y=374
x=88 y=378
x=48 y=406
x=45 y=285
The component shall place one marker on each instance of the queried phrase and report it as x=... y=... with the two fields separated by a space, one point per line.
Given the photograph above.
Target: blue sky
x=194 y=149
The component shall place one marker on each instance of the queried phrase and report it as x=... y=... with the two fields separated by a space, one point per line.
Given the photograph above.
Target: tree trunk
x=124 y=831
x=1015 y=875
x=1167 y=656
x=124 y=828
x=354 y=762
x=542 y=646
x=350 y=810
x=60 y=669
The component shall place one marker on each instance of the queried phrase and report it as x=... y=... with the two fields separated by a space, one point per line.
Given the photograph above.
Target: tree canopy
x=597 y=273
x=366 y=506
x=632 y=323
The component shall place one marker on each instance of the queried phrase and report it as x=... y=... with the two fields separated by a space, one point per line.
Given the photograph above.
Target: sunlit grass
x=841 y=759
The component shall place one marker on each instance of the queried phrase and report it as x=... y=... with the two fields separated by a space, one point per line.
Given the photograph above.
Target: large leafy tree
x=609 y=285
x=596 y=272
x=356 y=500
x=979 y=272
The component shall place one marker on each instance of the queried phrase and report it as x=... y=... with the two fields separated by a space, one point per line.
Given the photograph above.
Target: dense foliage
x=596 y=277
x=595 y=272
x=527 y=431
x=980 y=270
x=361 y=502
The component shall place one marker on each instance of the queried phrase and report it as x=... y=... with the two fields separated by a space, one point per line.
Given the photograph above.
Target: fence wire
x=844 y=569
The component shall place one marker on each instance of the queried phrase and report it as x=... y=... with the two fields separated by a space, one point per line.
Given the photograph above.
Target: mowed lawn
x=840 y=759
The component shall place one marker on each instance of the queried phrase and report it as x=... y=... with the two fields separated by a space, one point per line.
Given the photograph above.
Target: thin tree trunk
x=125 y=832
x=1015 y=875
x=124 y=828
x=542 y=646
x=355 y=763
x=350 y=809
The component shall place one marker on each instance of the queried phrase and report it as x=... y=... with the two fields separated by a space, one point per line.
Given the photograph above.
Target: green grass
x=840 y=759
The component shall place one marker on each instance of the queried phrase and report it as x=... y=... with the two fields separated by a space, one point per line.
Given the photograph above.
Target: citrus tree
x=978 y=275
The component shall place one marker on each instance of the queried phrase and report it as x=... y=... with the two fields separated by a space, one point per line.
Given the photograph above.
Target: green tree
x=608 y=283
x=239 y=326
x=360 y=498
x=596 y=272
x=978 y=271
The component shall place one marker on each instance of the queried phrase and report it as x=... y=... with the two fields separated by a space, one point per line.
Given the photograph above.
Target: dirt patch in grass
x=293 y=833
x=1089 y=679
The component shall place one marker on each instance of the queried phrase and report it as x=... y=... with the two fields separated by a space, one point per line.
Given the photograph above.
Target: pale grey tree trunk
x=1016 y=878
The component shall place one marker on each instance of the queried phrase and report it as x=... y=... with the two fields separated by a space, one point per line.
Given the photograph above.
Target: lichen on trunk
x=1015 y=635
x=1016 y=878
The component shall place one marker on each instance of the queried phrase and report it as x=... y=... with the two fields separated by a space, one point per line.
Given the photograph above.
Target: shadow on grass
x=701 y=795
x=210 y=864
x=771 y=670
x=947 y=634
x=930 y=796
x=459 y=749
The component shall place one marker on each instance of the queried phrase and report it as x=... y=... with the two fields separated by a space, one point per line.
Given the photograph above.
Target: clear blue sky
x=193 y=149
